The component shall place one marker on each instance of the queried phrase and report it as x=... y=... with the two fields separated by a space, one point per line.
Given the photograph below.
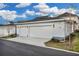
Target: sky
x=29 y=11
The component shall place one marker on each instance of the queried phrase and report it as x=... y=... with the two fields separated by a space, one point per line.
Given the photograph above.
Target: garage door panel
x=42 y=32
x=22 y=31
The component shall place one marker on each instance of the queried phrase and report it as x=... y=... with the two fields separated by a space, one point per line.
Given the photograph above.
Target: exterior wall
x=77 y=23
x=74 y=18
x=4 y=31
x=77 y=26
x=68 y=28
x=39 y=30
x=12 y=30
x=42 y=30
x=22 y=30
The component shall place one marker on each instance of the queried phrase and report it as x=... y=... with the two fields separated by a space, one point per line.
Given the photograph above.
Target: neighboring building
x=6 y=30
x=49 y=27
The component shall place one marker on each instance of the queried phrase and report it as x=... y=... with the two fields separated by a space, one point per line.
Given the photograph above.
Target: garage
x=22 y=30
x=35 y=31
x=41 y=31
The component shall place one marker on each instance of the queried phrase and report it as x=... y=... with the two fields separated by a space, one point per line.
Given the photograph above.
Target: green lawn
x=76 y=43
x=57 y=44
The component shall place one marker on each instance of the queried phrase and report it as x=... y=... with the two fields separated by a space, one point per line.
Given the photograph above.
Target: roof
x=6 y=25
x=67 y=14
x=48 y=18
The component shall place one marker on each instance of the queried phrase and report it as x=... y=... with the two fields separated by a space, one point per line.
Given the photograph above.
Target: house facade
x=44 y=27
x=6 y=30
x=48 y=27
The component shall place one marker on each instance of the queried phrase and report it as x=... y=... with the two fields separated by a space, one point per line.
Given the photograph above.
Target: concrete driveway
x=32 y=41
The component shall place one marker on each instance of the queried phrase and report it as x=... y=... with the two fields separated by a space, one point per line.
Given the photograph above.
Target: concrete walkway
x=32 y=41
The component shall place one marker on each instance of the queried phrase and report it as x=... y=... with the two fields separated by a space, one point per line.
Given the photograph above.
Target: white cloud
x=50 y=10
x=45 y=9
x=53 y=10
x=71 y=11
x=30 y=13
x=10 y=15
x=61 y=11
x=41 y=6
x=22 y=16
x=21 y=5
x=2 y=5
x=41 y=14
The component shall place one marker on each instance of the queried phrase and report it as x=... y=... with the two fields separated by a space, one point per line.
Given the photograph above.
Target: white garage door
x=41 y=31
x=22 y=31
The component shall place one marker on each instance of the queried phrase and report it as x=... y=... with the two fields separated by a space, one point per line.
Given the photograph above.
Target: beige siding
x=4 y=30
x=42 y=30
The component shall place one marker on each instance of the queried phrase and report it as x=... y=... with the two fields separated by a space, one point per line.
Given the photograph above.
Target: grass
x=61 y=45
x=76 y=43
x=10 y=36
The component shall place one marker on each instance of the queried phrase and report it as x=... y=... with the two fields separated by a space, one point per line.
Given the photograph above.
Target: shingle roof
x=67 y=14
x=48 y=18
